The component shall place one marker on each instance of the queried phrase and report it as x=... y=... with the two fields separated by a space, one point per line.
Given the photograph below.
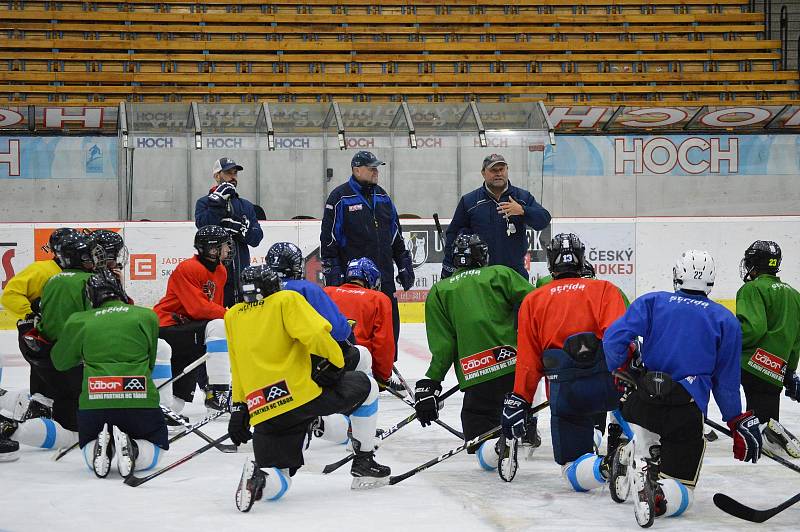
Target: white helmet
x=694 y=270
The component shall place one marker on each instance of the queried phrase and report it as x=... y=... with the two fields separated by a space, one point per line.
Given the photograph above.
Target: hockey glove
x=239 y=424
x=746 y=432
x=405 y=271
x=326 y=374
x=447 y=271
x=236 y=228
x=332 y=272
x=426 y=400
x=513 y=419
x=223 y=193
x=792 y=385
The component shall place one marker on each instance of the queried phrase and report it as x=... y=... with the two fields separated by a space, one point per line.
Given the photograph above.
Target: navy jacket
x=477 y=213
x=353 y=227
x=207 y=212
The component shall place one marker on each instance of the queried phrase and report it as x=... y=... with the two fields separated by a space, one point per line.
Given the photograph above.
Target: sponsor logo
x=271 y=396
x=143 y=266
x=11 y=158
x=770 y=365
x=5 y=261
x=488 y=361
x=117 y=387
x=155 y=142
x=353 y=208
x=417 y=246
x=209 y=289
x=660 y=155
x=94 y=160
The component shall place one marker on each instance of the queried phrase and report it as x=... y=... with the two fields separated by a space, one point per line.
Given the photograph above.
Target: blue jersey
x=323 y=304
x=693 y=339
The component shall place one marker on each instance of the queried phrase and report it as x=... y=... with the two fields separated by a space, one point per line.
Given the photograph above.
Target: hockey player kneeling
x=469 y=319
x=118 y=389
x=691 y=347
x=280 y=387
x=560 y=327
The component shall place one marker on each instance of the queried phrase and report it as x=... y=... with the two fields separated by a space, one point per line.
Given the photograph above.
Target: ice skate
x=532 y=440
x=9 y=450
x=7 y=427
x=392 y=383
x=103 y=453
x=127 y=452
x=644 y=472
x=366 y=472
x=780 y=441
x=251 y=486
x=508 y=464
x=37 y=408
x=218 y=398
x=619 y=483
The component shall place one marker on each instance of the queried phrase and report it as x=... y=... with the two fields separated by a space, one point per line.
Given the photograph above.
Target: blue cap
x=365 y=158
x=224 y=164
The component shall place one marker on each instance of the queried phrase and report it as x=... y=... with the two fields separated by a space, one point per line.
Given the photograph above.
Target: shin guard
x=218 y=364
x=584 y=473
x=364 y=419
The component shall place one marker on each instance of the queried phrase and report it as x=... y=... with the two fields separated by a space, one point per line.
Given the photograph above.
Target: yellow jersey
x=26 y=287
x=270 y=343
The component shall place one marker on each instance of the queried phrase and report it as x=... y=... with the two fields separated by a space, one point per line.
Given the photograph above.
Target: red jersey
x=193 y=293
x=551 y=314
x=372 y=312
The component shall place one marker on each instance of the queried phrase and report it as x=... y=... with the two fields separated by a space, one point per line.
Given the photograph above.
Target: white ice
x=37 y=494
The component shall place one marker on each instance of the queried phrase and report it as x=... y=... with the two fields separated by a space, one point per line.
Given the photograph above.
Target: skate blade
x=788 y=443
x=9 y=457
x=244 y=499
x=369 y=483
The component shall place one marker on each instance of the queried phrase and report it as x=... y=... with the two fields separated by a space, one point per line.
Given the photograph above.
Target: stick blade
x=737 y=509
x=134 y=481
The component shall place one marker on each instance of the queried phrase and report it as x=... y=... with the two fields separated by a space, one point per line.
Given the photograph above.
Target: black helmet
x=102 y=286
x=763 y=256
x=113 y=246
x=285 y=259
x=469 y=251
x=80 y=252
x=565 y=255
x=588 y=270
x=208 y=242
x=56 y=236
x=259 y=282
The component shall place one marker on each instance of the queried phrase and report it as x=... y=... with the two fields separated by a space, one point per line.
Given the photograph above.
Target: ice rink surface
x=37 y=494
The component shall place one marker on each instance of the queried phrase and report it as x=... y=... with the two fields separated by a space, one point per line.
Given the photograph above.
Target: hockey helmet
x=209 y=242
x=763 y=256
x=259 y=282
x=694 y=270
x=363 y=270
x=469 y=251
x=56 y=236
x=79 y=252
x=286 y=259
x=565 y=254
x=113 y=246
x=103 y=286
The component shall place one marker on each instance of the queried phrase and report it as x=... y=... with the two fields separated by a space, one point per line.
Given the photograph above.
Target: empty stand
x=570 y=51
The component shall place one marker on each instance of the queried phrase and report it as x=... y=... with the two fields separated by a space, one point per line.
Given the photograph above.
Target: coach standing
x=360 y=221
x=224 y=207
x=498 y=212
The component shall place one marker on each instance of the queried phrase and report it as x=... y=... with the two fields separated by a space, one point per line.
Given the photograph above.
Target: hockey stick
x=454 y=432
x=330 y=468
x=765 y=452
x=137 y=481
x=737 y=509
x=186 y=425
x=438 y=228
x=186 y=371
x=196 y=425
x=471 y=443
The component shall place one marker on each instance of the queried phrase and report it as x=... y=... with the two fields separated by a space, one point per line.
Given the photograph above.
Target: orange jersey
x=193 y=293
x=551 y=314
x=372 y=312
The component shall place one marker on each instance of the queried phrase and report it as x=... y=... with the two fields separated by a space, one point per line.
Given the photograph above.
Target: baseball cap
x=365 y=158
x=493 y=159
x=224 y=164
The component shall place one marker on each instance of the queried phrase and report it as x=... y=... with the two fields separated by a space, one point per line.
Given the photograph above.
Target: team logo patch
x=353 y=208
x=417 y=246
x=770 y=365
x=488 y=361
x=271 y=396
x=209 y=289
x=117 y=387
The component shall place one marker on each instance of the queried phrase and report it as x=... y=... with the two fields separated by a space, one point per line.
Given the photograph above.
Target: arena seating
x=561 y=51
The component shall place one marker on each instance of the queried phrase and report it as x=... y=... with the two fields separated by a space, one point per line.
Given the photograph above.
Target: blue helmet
x=364 y=269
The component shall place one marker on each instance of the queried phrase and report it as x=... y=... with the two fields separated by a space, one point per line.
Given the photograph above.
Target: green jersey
x=769 y=313
x=117 y=345
x=63 y=294
x=470 y=321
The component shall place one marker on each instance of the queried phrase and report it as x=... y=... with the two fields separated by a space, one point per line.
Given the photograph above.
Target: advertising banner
x=58 y=157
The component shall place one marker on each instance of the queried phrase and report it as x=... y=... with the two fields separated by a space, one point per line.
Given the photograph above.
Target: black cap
x=365 y=158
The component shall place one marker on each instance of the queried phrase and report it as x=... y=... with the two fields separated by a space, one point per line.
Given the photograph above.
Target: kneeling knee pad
x=364 y=360
x=584 y=473
x=487 y=455
x=278 y=483
x=334 y=428
x=679 y=498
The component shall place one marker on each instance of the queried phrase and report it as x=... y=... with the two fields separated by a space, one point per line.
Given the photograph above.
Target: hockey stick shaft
x=196 y=430
x=474 y=441
x=765 y=452
x=438 y=228
x=137 y=481
x=185 y=372
x=196 y=425
x=330 y=468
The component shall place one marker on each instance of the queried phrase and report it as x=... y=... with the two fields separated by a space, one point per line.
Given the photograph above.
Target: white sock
x=44 y=433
